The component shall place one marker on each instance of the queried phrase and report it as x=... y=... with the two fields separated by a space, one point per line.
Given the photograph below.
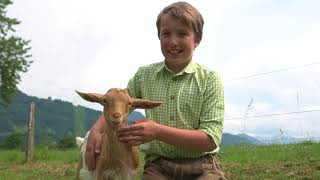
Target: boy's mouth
x=175 y=52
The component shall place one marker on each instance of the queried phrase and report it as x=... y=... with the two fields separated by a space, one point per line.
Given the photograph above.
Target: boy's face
x=177 y=41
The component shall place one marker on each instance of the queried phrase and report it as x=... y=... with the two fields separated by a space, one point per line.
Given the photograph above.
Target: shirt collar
x=190 y=68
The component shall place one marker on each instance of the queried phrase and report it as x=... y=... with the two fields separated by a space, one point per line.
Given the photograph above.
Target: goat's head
x=117 y=103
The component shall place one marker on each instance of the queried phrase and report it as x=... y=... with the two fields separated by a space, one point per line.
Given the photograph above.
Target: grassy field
x=294 y=161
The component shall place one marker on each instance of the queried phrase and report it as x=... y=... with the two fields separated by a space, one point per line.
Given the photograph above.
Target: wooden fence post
x=30 y=137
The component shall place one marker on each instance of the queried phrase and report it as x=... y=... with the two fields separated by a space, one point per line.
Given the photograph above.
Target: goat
x=116 y=160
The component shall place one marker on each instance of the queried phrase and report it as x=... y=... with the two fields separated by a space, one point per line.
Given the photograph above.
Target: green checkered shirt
x=192 y=99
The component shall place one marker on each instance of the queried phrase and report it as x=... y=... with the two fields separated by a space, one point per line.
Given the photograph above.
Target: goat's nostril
x=116 y=115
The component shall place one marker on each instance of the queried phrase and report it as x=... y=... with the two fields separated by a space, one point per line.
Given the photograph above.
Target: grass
x=294 y=161
x=48 y=164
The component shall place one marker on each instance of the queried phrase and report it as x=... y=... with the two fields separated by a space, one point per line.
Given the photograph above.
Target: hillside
x=57 y=118
x=231 y=139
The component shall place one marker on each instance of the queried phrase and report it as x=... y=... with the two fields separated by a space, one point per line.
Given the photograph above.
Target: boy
x=181 y=137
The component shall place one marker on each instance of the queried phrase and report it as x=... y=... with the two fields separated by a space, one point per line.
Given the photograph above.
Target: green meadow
x=292 y=161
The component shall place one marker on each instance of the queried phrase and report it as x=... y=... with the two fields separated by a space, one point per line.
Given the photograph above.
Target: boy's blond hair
x=185 y=12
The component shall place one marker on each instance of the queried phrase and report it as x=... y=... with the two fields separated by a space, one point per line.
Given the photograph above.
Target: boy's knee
x=152 y=171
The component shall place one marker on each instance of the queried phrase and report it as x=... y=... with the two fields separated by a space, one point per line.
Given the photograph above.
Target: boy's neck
x=177 y=68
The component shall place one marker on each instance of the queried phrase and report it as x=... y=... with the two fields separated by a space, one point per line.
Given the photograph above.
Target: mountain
x=55 y=119
x=231 y=139
x=250 y=139
x=283 y=139
x=135 y=115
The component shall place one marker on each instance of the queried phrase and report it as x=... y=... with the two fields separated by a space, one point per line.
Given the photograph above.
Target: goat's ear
x=92 y=97
x=144 y=104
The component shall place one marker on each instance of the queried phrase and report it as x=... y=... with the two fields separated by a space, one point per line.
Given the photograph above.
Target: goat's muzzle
x=117 y=119
x=116 y=115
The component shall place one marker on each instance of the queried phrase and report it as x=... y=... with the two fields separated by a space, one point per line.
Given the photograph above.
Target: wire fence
x=273 y=71
x=274 y=114
x=290 y=140
x=297 y=127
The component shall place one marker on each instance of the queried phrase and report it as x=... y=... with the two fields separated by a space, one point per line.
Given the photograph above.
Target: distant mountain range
x=231 y=139
x=55 y=119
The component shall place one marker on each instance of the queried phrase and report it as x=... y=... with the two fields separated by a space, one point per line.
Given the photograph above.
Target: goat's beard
x=117 y=126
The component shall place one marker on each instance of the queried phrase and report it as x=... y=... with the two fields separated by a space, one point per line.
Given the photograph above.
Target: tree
x=14 y=54
x=66 y=142
x=15 y=141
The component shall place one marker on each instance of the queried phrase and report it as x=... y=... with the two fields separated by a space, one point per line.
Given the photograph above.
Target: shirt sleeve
x=134 y=85
x=212 y=112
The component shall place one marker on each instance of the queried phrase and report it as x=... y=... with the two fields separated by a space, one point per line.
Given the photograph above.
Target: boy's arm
x=94 y=143
x=146 y=130
x=195 y=140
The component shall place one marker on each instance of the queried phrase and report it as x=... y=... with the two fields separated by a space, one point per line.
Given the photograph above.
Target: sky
x=266 y=51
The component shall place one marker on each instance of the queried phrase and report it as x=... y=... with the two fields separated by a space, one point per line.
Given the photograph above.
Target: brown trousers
x=203 y=168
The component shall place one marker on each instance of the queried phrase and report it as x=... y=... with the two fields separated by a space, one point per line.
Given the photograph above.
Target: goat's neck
x=112 y=138
x=116 y=153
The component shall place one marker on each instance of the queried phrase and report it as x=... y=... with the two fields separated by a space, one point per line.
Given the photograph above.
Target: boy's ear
x=197 y=41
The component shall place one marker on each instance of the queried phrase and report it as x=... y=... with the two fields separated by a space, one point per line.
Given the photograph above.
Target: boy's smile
x=175 y=53
x=177 y=41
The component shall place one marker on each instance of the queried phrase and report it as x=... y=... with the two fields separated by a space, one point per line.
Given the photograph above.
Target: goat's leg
x=79 y=167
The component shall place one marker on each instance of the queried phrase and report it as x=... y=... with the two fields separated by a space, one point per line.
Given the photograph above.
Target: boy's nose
x=173 y=40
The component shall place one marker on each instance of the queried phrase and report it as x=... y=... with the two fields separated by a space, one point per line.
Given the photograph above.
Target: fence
x=285 y=140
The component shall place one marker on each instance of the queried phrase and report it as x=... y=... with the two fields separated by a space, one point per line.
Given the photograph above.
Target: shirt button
x=171 y=117
x=172 y=97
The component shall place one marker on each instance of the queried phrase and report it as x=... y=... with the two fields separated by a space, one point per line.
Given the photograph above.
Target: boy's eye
x=182 y=34
x=165 y=34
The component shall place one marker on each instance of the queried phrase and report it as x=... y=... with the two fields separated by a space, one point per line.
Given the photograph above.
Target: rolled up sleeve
x=212 y=112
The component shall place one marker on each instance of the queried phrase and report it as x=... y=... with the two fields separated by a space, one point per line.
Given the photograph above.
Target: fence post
x=30 y=137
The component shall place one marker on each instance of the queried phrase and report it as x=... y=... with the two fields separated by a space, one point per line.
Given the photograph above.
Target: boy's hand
x=140 y=132
x=93 y=148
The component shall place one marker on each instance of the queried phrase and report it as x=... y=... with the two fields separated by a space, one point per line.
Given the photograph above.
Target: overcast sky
x=266 y=51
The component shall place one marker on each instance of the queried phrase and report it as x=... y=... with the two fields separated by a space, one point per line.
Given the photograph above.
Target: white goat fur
x=116 y=161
